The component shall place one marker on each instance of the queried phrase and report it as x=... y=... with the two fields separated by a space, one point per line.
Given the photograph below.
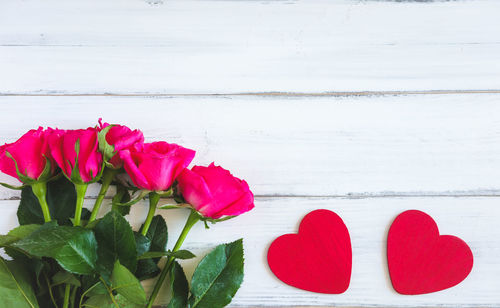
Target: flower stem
x=67 y=290
x=50 y=290
x=73 y=296
x=107 y=178
x=40 y=191
x=191 y=221
x=154 y=198
x=80 y=196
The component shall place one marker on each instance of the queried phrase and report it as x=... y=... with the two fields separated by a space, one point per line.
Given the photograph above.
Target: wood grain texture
x=180 y=46
x=474 y=219
x=397 y=145
x=392 y=148
x=366 y=108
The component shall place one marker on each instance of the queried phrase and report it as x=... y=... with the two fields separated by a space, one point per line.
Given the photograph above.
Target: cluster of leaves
x=102 y=264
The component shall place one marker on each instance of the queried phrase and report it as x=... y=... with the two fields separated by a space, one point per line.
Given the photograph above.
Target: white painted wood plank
x=474 y=219
x=183 y=46
x=423 y=144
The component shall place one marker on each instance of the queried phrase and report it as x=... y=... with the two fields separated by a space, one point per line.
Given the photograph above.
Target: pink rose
x=31 y=153
x=214 y=191
x=155 y=166
x=121 y=138
x=62 y=147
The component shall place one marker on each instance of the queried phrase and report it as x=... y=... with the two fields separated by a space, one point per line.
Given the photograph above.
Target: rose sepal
x=75 y=177
x=212 y=221
x=12 y=186
x=142 y=195
x=44 y=176
x=174 y=206
x=165 y=193
x=107 y=150
x=200 y=216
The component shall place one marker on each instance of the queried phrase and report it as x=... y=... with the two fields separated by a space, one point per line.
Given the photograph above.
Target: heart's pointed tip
x=331 y=287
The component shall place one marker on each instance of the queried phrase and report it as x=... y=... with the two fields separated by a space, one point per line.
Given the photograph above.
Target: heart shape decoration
x=422 y=261
x=318 y=258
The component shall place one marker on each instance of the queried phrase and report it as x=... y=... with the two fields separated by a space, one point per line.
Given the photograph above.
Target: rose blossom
x=121 y=137
x=30 y=152
x=155 y=166
x=214 y=191
x=62 y=147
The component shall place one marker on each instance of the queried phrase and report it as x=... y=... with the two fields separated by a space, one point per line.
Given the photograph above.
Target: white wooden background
x=366 y=108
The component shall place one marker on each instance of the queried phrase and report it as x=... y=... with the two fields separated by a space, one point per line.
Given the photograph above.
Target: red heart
x=422 y=261
x=318 y=258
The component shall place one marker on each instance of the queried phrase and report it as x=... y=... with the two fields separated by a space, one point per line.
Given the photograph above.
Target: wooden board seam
x=354 y=196
x=265 y=94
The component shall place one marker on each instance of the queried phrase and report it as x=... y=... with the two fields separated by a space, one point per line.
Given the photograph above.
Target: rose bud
x=118 y=137
x=214 y=192
x=31 y=155
x=63 y=147
x=155 y=166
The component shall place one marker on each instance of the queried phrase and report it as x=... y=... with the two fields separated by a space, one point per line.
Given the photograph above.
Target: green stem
x=154 y=198
x=50 y=290
x=73 y=296
x=67 y=290
x=40 y=191
x=191 y=221
x=81 y=189
x=107 y=178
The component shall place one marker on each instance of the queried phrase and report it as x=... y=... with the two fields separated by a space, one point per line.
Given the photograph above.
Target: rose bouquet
x=63 y=255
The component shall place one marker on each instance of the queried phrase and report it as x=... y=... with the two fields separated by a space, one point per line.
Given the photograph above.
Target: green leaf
x=116 y=241
x=74 y=248
x=64 y=277
x=15 y=235
x=180 y=254
x=146 y=269
x=126 y=285
x=37 y=266
x=23 y=231
x=97 y=288
x=218 y=276
x=15 y=286
x=6 y=240
x=183 y=254
x=179 y=287
x=142 y=243
x=105 y=301
x=32 y=265
x=158 y=234
x=61 y=199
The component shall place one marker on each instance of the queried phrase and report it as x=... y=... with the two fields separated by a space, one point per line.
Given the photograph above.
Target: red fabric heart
x=318 y=258
x=422 y=261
